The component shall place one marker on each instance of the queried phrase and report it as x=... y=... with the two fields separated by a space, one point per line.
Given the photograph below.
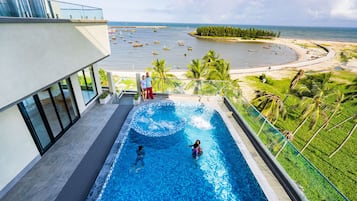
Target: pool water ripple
x=170 y=172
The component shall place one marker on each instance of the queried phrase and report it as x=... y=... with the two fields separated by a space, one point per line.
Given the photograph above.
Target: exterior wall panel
x=35 y=55
x=17 y=148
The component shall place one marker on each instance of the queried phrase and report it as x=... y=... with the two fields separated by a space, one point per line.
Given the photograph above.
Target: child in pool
x=197 y=150
x=140 y=155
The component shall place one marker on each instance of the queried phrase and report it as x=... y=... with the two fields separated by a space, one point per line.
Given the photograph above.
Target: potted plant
x=104 y=97
x=136 y=100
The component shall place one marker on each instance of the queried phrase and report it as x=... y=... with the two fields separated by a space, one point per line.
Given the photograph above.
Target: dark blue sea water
x=125 y=57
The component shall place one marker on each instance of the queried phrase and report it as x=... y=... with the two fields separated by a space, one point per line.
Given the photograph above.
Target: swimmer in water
x=197 y=150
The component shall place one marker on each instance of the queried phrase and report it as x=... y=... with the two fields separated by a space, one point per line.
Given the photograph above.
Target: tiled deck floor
x=47 y=178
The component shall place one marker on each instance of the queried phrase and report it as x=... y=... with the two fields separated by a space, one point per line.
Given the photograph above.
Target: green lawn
x=341 y=169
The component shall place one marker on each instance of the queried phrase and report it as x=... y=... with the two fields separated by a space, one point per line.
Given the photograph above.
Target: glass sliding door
x=60 y=104
x=49 y=113
x=70 y=102
x=35 y=123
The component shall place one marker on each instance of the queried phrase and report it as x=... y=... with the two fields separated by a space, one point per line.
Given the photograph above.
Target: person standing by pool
x=149 y=86
x=143 y=87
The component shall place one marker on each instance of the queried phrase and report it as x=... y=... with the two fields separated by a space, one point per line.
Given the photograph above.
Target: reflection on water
x=178 y=49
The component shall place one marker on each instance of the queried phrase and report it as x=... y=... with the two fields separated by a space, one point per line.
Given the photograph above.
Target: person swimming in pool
x=140 y=155
x=197 y=150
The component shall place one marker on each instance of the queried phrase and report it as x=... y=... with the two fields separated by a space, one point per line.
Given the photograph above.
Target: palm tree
x=210 y=57
x=294 y=82
x=352 y=95
x=339 y=99
x=347 y=137
x=219 y=70
x=312 y=109
x=315 y=89
x=312 y=85
x=270 y=106
x=196 y=71
x=162 y=79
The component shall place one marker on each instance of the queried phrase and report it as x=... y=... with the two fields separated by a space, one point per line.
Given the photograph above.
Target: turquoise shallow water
x=170 y=172
x=125 y=57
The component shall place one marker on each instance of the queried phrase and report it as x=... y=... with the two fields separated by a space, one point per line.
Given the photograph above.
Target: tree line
x=227 y=31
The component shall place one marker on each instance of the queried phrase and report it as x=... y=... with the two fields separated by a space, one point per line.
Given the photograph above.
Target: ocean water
x=125 y=57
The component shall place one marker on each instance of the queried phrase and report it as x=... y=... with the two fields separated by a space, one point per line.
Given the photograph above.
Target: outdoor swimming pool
x=166 y=129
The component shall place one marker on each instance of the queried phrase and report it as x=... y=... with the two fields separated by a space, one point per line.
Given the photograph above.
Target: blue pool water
x=170 y=172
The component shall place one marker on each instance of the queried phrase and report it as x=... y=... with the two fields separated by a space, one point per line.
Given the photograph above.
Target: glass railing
x=124 y=84
x=64 y=10
x=49 y=9
x=179 y=86
x=308 y=178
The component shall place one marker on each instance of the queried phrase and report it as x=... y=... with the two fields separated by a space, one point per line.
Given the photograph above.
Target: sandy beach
x=313 y=55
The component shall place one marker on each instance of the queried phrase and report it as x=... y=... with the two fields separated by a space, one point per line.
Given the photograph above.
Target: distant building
x=48 y=77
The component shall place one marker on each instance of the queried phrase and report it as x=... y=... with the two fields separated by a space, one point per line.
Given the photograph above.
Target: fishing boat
x=181 y=43
x=137 y=45
x=166 y=48
x=154 y=53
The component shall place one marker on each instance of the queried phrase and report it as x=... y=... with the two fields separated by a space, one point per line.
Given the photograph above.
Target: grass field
x=341 y=169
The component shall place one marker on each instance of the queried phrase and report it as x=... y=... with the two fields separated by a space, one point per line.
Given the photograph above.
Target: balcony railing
x=64 y=10
x=304 y=174
x=49 y=9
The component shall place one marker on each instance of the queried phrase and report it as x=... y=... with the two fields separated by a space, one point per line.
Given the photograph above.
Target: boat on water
x=156 y=42
x=166 y=48
x=138 y=45
x=189 y=48
x=154 y=53
x=181 y=43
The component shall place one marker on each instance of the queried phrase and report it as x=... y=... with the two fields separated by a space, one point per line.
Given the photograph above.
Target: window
x=87 y=83
x=49 y=113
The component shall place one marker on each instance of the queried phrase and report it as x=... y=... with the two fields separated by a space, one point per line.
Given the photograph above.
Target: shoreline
x=311 y=55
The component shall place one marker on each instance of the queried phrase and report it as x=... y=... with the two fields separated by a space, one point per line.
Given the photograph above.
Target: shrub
x=104 y=95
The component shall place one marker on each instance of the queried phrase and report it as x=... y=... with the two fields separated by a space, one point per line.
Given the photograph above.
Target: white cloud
x=263 y=12
x=345 y=9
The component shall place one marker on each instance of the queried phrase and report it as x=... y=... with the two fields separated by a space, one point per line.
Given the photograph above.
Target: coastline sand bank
x=312 y=56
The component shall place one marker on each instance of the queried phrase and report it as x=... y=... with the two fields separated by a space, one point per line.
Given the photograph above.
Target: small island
x=236 y=32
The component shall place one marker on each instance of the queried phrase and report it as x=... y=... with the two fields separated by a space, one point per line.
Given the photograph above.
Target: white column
x=138 y=85
x=110 y=82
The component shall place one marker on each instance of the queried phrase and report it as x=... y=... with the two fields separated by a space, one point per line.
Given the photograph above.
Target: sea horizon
x=338 y=34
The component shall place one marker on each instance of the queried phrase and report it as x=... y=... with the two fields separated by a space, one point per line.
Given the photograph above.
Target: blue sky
x=340 y=13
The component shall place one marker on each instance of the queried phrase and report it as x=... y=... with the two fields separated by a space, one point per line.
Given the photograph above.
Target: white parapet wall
x=17 y=147
x=34 y=55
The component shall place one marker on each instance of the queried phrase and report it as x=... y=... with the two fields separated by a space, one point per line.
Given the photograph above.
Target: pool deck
x=69 y=168
x=66 y=169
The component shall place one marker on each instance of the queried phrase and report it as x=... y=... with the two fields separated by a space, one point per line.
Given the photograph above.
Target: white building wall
x=97 y=78
x=78 y=93
x=34 y=55
x=17 y=148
